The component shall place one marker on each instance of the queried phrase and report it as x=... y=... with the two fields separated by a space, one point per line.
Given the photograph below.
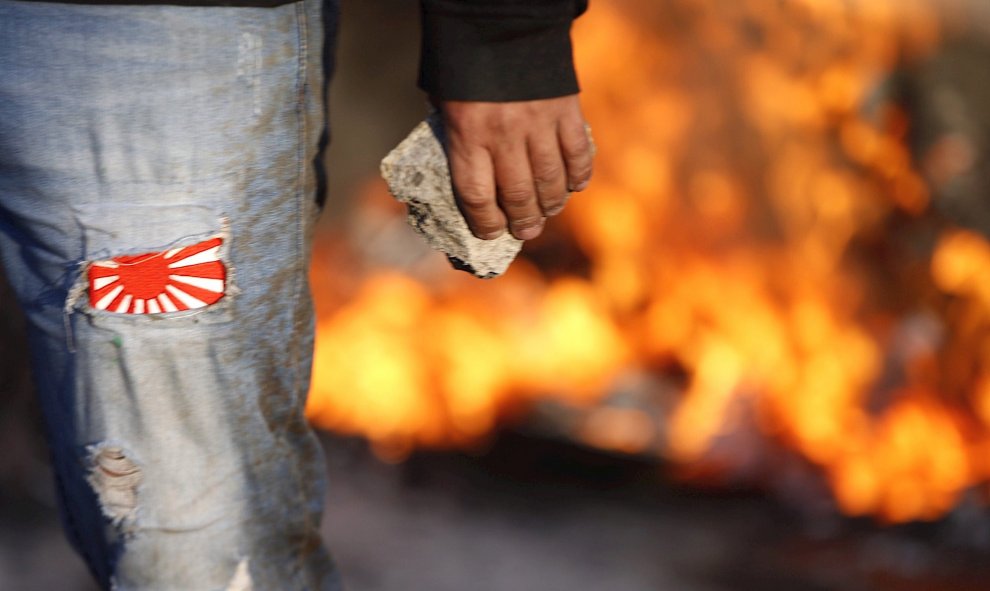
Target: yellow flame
x=736 y=171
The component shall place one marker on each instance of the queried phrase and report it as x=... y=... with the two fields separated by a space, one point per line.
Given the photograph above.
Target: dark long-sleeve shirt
x=500 y=50
x=481 y=50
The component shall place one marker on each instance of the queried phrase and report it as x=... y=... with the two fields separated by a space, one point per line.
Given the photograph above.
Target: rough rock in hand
x=418 y=175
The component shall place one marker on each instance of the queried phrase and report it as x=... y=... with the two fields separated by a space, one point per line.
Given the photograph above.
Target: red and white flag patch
x=173 y=280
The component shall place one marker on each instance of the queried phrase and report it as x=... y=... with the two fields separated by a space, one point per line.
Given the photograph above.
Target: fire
x=727 y=251
x=422 y=368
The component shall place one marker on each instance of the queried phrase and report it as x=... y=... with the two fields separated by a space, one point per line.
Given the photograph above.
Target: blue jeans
x=159 y=170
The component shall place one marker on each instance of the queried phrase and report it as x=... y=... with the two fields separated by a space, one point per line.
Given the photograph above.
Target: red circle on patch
x=144 y=275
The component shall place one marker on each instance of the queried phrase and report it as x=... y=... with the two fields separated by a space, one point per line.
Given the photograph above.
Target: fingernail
x=552 y=211
x=581 y=186
x=529 y=232
x=492 y=235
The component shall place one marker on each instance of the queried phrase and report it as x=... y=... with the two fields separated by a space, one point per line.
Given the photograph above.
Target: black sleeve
x=498 y=50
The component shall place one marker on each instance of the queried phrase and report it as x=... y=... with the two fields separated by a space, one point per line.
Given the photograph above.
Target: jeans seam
x=302 y=61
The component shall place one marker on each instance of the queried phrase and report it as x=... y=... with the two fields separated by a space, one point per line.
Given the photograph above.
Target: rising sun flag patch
x=175 y=280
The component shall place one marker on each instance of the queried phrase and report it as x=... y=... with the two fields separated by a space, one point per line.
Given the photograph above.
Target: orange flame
x=743 y=171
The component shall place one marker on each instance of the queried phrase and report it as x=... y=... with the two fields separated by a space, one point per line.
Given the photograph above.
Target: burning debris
x=759 y=251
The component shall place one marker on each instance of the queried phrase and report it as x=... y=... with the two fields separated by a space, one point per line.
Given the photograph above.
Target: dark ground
x=532 y=514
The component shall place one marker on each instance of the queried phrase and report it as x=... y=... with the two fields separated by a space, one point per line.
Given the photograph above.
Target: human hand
x=513 y=164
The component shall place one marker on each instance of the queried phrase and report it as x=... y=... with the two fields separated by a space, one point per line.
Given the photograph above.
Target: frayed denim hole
x=220 y=311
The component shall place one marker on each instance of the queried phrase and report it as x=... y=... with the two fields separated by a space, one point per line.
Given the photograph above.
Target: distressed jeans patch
x=145 y=262
x=175 y=280
x=115 y=478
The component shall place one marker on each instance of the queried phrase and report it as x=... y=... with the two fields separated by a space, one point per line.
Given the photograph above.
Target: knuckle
x=581 y=171
x=526 y=222
x=475 y=199
x=474 y=206
x=578 y=143
x=577 y=149
x=548 y=174
x=484 y=219
x=551 y=196
x=553 y=205
x=504 y=130
x=510 y=116
x=517 y=196
x=470 y=184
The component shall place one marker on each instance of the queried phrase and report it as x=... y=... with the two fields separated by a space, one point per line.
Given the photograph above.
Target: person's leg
x=158 y=171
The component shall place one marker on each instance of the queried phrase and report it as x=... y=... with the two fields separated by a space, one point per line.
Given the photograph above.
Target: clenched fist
x=514 y=163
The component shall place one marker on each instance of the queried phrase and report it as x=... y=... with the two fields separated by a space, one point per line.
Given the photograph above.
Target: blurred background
x=754 y=355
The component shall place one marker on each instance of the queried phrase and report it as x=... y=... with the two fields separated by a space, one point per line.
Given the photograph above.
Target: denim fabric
x=181 y=455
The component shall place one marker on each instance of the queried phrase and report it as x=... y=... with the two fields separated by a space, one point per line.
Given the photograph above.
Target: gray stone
x=418 y=175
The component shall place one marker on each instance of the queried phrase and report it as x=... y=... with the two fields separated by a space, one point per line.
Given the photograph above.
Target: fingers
x=516 y=191
x=474 y=183
x=575 y=145
x=549 y=173
x=513 y=164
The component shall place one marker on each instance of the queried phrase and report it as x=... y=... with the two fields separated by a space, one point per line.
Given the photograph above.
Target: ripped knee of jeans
x=152 y=262
x=241 y=581
x=116 y=479
x=179 y=279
